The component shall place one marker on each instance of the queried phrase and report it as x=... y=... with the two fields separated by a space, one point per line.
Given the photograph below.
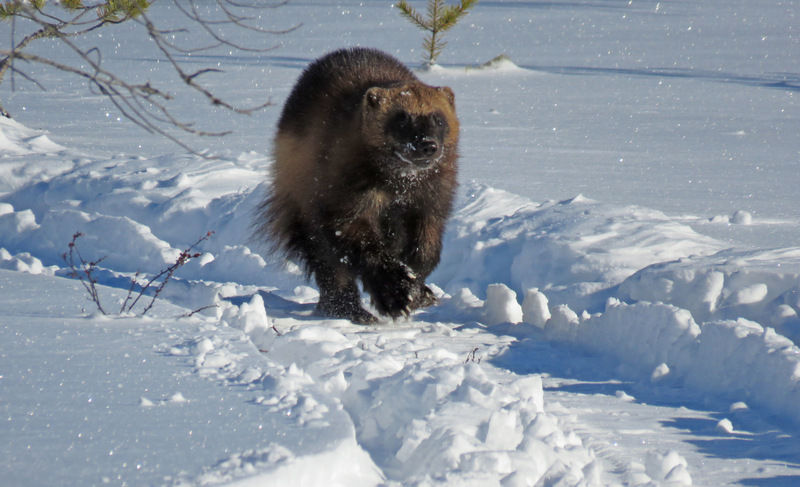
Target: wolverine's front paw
x=394 y=291
x=348 y=308
x=423 y=297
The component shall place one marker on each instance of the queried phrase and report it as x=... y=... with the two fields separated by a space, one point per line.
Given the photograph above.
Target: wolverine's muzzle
x=422 y=153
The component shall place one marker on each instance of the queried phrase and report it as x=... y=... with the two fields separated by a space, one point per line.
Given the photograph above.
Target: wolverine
x=363 y=181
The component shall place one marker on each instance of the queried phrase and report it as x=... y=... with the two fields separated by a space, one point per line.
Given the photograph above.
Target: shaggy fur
x=364 y=174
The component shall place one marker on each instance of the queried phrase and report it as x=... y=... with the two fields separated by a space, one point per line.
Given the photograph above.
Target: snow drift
x=626 y=283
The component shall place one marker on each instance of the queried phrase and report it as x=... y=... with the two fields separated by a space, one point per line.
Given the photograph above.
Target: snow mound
x=425 y=414
x=761 y=285
x=576 y=251
x=501 y=305
x=26 y=156
x=24 y=262
x=632 y=284
x=500 y=63
x=16 y=139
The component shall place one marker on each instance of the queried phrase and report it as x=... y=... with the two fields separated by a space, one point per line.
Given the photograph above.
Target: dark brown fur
x=363 y=181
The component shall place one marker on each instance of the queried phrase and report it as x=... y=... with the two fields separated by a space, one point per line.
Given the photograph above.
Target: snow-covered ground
x=620 y=285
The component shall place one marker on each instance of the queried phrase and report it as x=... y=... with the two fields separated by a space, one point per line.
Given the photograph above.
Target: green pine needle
x=408 y=12
x=110 y=10
x=440 y=18
x=120 y=10
x=9 y=9
x=72 y=4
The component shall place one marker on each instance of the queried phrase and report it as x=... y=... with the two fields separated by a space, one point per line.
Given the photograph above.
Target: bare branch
x=28 y=77
x=167 y=273
x=84 y=270
x=189 y=78
x=145 y=105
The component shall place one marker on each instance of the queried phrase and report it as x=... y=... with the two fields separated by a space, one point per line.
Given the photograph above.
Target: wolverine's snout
x=422 y=153
x=428 y=147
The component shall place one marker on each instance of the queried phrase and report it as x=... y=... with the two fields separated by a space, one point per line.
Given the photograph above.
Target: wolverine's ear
x=375 y=96
x=448 y=92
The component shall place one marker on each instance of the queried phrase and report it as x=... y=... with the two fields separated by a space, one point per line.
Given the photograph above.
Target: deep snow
x=587 y=333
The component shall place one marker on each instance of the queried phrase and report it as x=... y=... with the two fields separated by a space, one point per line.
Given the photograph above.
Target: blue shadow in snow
x=279 y=306
x=248 y=59
x=783 y=481
x=608 y=5
x=593 y=374
x=783 y=81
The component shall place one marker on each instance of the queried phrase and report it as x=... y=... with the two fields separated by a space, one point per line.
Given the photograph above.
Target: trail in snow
x=549 y=359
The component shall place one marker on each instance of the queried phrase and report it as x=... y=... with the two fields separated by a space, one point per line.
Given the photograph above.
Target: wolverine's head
x=411 y=126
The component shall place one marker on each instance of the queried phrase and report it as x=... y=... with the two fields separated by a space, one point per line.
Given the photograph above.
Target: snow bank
x=575 y=262
x=420 y=402
x=140 y=214
x=576 y=251
x=24 y=262
x=738 y=359
x=27 y=156
x=17 y=139
x=632 y=284
x=761 y=286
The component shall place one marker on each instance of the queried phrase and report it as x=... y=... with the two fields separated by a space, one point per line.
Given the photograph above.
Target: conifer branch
x=453 y=14
x=440 y=18
x=408 y=12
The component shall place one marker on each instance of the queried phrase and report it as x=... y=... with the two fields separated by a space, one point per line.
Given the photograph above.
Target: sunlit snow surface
x=619 y=287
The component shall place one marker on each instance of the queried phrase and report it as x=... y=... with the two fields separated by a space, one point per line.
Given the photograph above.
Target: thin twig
x=167 y=273
x=143 y=104
x=192 y=313
x=86 y=272
x=83 y=270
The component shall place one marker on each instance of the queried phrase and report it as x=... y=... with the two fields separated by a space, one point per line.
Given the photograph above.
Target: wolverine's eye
x=438 y=120
x=401 y=125
x=402 y=121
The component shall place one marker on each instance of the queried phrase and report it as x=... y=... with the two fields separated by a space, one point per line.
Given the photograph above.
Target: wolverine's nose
x=428 y=147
